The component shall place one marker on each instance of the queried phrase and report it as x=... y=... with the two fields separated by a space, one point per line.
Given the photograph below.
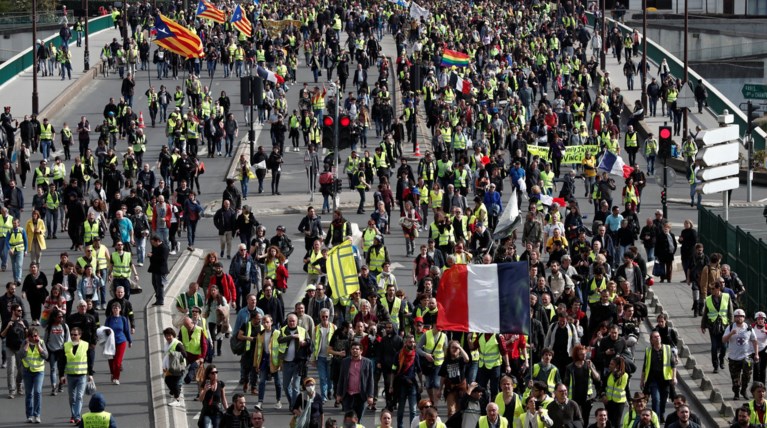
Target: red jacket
x=225 y=286
x=168 y=214
x=281 y=282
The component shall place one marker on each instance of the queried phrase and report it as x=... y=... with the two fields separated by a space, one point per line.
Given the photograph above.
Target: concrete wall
x=705 y=46
x=12 y=44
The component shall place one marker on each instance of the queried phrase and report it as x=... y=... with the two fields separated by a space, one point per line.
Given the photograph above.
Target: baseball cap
x=281 y=227
x=418 y=319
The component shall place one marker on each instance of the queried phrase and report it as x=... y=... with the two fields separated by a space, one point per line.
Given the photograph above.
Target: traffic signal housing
x=344 y=132
x=664 y=141
x=663 y=199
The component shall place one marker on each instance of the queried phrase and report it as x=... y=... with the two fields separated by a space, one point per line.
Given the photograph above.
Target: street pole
x=750 y=137
x=602 y=59
x=685 y=79
x=86 y=53
x=35 y=99
x=665 y=186
x=644 y=56
x=252 y=131
x=335 y=147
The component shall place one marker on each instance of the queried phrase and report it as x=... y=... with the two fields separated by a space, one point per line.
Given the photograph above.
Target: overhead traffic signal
x=664 y=141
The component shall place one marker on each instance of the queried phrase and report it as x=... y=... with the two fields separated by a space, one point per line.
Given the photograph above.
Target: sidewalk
x=53 y=93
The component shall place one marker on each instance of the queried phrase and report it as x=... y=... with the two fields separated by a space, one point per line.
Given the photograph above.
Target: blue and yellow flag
x=342 y=270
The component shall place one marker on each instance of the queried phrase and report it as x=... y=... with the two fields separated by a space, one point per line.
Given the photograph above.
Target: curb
x=157 y=319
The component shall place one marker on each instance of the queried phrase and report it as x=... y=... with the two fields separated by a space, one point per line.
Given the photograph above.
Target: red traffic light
x=327 y=121
x=665 y=132
x=344 y=121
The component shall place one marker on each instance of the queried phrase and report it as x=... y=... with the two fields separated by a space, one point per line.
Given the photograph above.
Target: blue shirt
x=120 y=327
x=126 y=230
x=613 y=222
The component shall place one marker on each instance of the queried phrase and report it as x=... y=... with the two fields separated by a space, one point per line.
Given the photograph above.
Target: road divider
x=157 y=319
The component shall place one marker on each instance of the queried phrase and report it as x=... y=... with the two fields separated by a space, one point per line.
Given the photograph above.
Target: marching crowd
x=530 y=83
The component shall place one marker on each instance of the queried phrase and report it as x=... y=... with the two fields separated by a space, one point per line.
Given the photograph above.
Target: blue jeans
x=45 y=148
x=17 y=262
x=291 y=380
x=408 y=393
x=191 y=232
x=244 y=186
x=471 y=372
x=264 y=376
x=3 y=253
x=651 y=164
x=323 y=368
x=164 y=234
x=53 y=359
x=659 y=392
x=140 y=249
x=33 y=391
x=76 y=389
x=650 y=253
x=211 y=421
x=52 y=222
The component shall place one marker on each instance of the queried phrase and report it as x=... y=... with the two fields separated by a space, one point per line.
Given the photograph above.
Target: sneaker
x=278 y=405
x=37 y=420
x=30 y=420
x=175 y=403
x=3 y=365
x=173 y=253
x=72 y=421
x=140 y=264
x=54 y=392
x=260 y=405
x=116 y=382
x=12 y=395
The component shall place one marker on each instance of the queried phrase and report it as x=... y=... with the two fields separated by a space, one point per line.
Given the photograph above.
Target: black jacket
x=158 y=259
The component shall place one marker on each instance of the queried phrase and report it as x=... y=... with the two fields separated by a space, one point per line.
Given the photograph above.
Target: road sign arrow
x=716 y=172
x=710 y=137
x=717 y=186
x=719 y=154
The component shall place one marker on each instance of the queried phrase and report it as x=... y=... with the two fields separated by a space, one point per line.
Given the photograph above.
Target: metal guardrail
x=24 y=20
x=717 y=102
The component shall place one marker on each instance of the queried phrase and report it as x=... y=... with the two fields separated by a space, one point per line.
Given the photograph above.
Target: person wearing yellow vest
x=17 y=246
x=545 y=371
x=493 y=360
x=658 y=373
x=431 y=349
x=47 y=135
x=717 y=313
x=98 y=417
x=631 y=144
x=376 y=256
x=120 y=267
x=395 y=306
x=323 y=332
x=614 y=397
x=42 y=175
x=251 y=334
x=75 y=370
x=6 y=224
x=292 y=352
x=196 y=346
x=33 y=356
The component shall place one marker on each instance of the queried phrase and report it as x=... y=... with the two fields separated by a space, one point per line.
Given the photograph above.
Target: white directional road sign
x=709 y=137
x=719 y=154
x=717 y=186
x=716 y=172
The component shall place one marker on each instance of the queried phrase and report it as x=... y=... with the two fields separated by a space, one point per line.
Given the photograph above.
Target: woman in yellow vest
x=614 y=397
x=33 y=356
x=36 y=233
x=534 y=412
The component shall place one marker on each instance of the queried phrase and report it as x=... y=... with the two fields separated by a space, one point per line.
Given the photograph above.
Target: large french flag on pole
x=491 y=298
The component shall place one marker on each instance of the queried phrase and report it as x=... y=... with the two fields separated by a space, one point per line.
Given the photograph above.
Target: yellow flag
x=342 y=270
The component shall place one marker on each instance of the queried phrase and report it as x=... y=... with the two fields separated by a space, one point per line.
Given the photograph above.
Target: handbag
x=659 y=269
x=199 y=374
x=304 y=418
x=135 y=288
x=90 y=387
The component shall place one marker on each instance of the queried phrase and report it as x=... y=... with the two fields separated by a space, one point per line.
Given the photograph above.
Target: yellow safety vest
x=52 y=202
x=516 y=401
x=631 y=139
x=41 y=177
x=5 y=226
x=594 y=290
x=504 y=423
x=438 y=349
x=551 y=380
x=630 y=418
x=318 y=337
x=121 y=264
x=668 y=371
x=97 y=420
x=616 y=389
x=381 y=161
x=17 y=241
x=435 y=199
x=33 y=361
x=46 y=133
x=301 y=336
x=77 y=364
x=367 y=238
x=713 y=313
x=312 y=268
x=192 y=345
x=489 y=352
x=394 y=312
x=377 y=258
x=101 y=258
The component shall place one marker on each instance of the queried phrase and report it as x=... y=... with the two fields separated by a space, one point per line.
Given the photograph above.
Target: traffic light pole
x=664 y=202
x=750 y=136
x=335 y=148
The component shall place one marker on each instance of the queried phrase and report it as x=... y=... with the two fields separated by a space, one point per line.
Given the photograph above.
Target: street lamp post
x=335 y=145
x=86 y=53
x=602 y=59
x=35 y=98
x=643 y=69
x=686 y=76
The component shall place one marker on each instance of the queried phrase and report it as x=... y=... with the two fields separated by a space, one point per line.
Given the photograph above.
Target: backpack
x=16 y=335
x=237 y=345
x=176 y=363
x=326 y=178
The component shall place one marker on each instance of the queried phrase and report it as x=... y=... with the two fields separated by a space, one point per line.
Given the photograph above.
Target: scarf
x=406 y=360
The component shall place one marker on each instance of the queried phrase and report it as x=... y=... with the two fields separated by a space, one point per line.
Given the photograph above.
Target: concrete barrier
x=157 y=319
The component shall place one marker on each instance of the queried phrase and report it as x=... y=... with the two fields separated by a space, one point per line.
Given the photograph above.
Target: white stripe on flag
x=484 y=310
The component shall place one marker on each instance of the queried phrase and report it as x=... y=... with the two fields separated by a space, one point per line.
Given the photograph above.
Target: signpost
x=718 y=162
x=754 y=91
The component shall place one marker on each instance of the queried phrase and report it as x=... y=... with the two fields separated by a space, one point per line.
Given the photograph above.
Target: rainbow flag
x=241 y=22
x=458 y=59
x=206 y=10
x=177 y=39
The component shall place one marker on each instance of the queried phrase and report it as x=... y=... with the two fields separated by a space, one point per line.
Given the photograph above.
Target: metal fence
x=745 y=254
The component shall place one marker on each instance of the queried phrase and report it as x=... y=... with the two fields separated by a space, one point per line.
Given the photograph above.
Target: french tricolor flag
x=269 y=76
x=614 y=165
x=491 y=298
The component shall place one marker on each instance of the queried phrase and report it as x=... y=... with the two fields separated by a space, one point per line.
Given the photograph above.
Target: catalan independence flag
x=458 y=59
x=241 y=22
x=176 y=38
x=342 y=270
x=206 y=10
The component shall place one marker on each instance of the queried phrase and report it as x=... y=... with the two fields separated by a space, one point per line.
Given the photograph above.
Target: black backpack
x=16 y=335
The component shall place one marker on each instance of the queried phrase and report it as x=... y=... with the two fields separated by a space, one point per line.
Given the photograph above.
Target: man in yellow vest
x=6 y=224
x=98 y=417
x=250 y=333
x=492 y=358
x=17 y=244
x=431 y=349
x=631 y=144
x=47 y=135
x=76 y=369
x=717 y=314
x=493 y=418
x=293 y=353
x=196 y=347
x=120 y=269
x=658 y=373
